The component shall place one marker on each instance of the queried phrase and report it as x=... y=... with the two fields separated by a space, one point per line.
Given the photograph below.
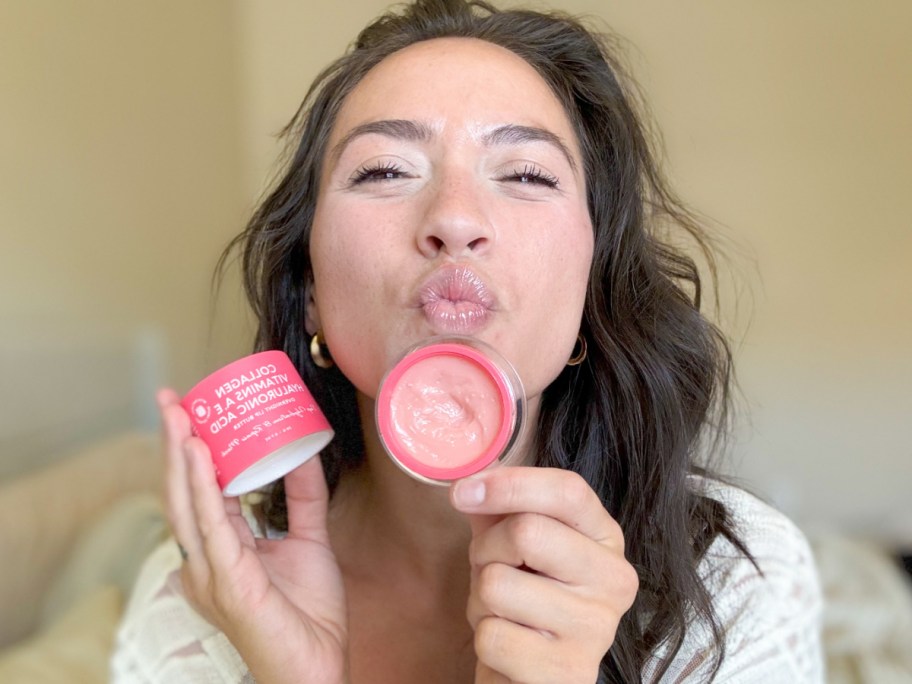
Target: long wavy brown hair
x=652 y=397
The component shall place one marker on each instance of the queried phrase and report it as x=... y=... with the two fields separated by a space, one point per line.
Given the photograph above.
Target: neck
x=383 y=521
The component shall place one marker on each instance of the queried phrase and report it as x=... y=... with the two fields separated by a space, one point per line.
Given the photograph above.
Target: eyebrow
x=399 y=129
x=416 y=131
x=514 y=134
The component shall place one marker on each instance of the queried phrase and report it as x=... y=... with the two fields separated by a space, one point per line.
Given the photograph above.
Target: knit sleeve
x=163 y=640
x=770 y=614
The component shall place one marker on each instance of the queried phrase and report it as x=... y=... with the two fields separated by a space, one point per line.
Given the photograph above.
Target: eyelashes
x=529 y=174
x=373 y=173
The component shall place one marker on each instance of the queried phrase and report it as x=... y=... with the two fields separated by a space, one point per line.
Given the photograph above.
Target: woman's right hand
x=280 y=602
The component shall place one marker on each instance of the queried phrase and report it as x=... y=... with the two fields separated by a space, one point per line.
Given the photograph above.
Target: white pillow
x=109 y=552
x=74 y=650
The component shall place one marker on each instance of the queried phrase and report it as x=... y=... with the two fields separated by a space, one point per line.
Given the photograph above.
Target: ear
x=311 y=314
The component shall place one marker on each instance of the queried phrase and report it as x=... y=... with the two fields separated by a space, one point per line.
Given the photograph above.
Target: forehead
x=455 y=81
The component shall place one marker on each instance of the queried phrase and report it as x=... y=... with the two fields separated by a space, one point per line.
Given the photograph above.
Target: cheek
x=343 y=255
x=555 y=278
x=353 y=257
x=565 y=254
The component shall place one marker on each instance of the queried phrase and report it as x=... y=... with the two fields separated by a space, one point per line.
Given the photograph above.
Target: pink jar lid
x=258 y=419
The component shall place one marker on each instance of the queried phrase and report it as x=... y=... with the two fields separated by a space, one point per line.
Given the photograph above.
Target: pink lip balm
x=449 y=408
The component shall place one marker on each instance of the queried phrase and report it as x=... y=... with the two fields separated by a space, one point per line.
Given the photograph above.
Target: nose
x=456 y=220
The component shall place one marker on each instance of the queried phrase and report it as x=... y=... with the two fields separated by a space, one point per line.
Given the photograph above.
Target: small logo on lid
x=200 y=410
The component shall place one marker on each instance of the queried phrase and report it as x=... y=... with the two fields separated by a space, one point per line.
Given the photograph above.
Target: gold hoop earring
x=579 y=351
x=319 y=352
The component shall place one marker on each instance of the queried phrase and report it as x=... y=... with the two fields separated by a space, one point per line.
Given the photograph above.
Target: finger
x=525 y=598
x=240 y=523
x=175 y=429
x=485 y=675
x=518 y=653
x=178 y=503
x=544 y=606
x=175 y=421
x=166 y=396
x=175 y=425
x=480 y=524
x=542 y=544
x=307 y=499
x=220 y=541
x=560 y=494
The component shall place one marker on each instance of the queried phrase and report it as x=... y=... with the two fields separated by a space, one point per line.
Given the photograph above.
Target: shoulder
x=779 y=550
x=768 y=605
x=162 y=639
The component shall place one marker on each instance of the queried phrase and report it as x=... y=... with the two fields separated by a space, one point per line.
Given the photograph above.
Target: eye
x=530 y=174
x=373 y=173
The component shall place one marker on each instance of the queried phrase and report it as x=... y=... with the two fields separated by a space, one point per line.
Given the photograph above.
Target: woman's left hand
x=549 y=579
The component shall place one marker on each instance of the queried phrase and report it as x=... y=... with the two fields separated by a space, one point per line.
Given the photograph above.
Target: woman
x=500 y=149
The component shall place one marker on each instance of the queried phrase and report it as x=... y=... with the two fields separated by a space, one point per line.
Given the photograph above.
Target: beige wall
x=137 y=137
x=119 y=182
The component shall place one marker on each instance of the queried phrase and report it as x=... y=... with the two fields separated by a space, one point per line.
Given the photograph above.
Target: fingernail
x=469 y=493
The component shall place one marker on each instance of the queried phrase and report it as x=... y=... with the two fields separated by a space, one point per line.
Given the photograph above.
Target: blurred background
x=135 y=139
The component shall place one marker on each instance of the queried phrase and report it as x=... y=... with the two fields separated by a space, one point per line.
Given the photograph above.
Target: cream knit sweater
x=771 y=620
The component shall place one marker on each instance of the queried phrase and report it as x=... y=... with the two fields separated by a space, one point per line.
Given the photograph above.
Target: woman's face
x=452 y=201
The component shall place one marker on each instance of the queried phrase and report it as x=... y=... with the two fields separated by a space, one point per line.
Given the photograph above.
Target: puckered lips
x=456 y=301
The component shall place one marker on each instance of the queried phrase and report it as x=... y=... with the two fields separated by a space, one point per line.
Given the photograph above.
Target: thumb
x=480 y=523
x=485 y=675
x=307 y=499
